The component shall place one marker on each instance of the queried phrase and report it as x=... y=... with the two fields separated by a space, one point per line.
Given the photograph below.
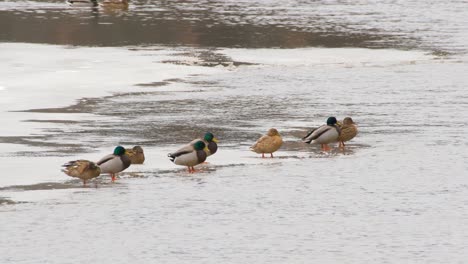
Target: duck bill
x=215 y=140
x=206 y=150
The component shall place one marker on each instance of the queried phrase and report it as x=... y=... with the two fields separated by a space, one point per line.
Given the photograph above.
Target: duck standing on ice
x=324 y=135
x=268 y=143
x=136 y=155
x=190 y=155
x=82 y=169
x=348 y=131
x=114 y=163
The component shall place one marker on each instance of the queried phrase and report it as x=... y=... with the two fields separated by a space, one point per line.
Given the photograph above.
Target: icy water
x=76 y=82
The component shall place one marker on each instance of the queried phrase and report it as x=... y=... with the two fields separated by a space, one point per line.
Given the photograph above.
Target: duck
x=136 y=155
x=114 y=163
x=324 y=134
x=83 y=169
x=190 y=155
x=83 y=3
x=348 y=131
x=210 y=141
x=268 y=143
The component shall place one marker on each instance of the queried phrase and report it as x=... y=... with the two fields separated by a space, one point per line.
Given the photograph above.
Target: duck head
x=331 y=121
x=210 y=137
x=119 y=151
x=137 y=149
x=348 y=121
x=273 y=132
x=199 y=145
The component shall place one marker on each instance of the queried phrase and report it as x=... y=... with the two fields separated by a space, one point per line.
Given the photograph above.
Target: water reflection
x=114 y=9
x=193 y=23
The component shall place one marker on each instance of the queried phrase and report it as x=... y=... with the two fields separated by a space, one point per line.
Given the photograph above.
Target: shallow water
x=164 y=73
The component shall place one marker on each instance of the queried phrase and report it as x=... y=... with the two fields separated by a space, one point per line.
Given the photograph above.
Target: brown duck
x=348 y=131
x=82 y=169
x=268 y=143
x=136 y=155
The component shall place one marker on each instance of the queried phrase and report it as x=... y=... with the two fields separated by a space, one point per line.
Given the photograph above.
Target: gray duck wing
x=316 y=133
x=184 y=150
x=105 y=159
x=309 y=133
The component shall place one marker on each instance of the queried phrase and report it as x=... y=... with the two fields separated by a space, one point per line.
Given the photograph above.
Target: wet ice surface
x=397 y=194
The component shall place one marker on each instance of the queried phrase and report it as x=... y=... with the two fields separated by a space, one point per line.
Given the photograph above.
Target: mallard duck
x=114 y=163
x=84 y=3
x=268 y=143
x=83 y=169
x=324 y=135
x=136 y=155
x=210 y=141
x=348 y=131
x=190 y=155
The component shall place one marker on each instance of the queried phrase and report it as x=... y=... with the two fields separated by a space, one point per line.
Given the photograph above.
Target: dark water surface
x=249 y=24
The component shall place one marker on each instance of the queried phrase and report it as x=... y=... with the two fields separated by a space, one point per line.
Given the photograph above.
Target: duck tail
x=71 y=162
x=308 y=139
x=171 y=157
x=68 y=165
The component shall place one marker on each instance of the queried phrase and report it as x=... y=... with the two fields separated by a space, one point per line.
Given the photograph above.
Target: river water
x=76 y=82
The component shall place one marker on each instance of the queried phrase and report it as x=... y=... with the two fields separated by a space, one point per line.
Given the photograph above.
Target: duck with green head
x=324 y=135
x=82 y=169
x=190 y=155
x=114 y=163
x=210 y=141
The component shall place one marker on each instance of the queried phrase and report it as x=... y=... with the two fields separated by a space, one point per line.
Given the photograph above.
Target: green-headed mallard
x=324 y=135
x=83 y=3
x=268 y=143
x=83 y=169
x=190 y=155
x=210 y=142
x=114 y=163
x=136 y=155
x=348 y=131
